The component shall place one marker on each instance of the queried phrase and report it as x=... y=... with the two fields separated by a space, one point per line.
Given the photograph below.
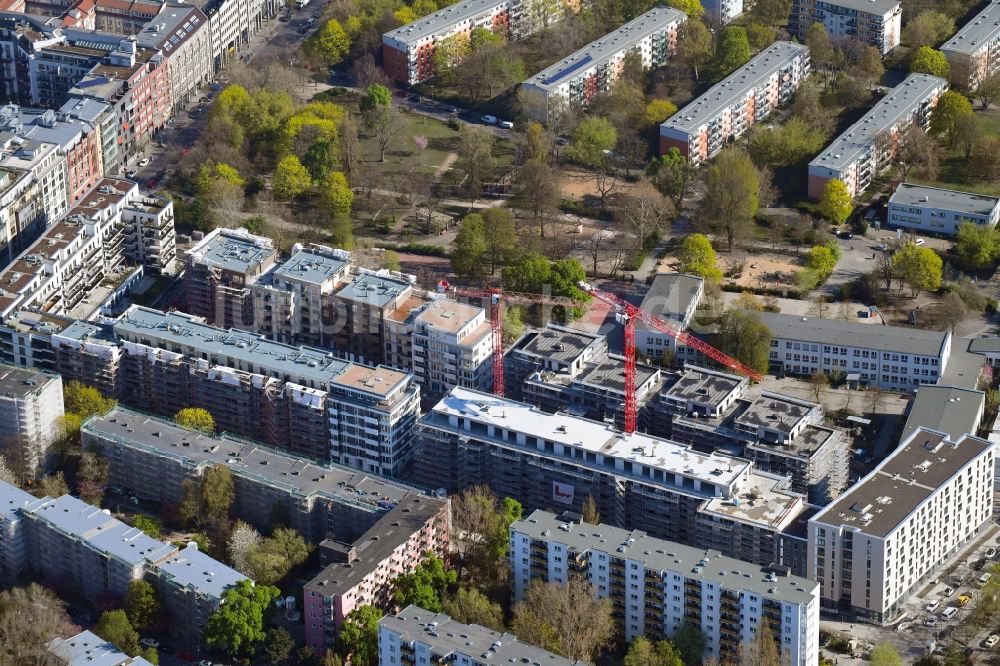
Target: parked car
x=931 y=621
x=131 y=173
x=978 y=564
x=145 y=160
x=489 y=120
x=964 y=599
x=991 y=553
x=846 y=235
x=932 y=606
x=205 y=662
x=948 y=591
x=919 y=242
x=991 y=641
x=506 y=124
x=150 y=642
x=985 y=578
x=949 y=613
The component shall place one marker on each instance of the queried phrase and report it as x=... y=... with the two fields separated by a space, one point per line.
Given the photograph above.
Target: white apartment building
x=721 y=12
x=13 y=541
x=747 y=96
x=31 y=409
x=875 y=22
x=974 y=51
x=577 y=79
x=886 y=357
x=21 y=209
x=183 y=35
x=673 y=297
x=938 y=211
x=452 y=346
x=893 y=531
x=233 y=24
x=89 y=649
x=868 y=147
x=46 y=164
x=656 y=585
x=419 y=636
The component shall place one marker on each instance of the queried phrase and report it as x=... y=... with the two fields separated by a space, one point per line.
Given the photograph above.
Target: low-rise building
x=31 y=410
x=893 y=531
x=419 y=635
x=657 y=585
x=974 y=51
x=730 y=107
x=577 y=79
x=951 y=410
x=869 y=146
x=674 y=298
x=89 y=649
x=874 y=22
x=938 y=211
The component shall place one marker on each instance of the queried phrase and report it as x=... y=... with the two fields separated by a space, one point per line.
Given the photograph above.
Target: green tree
x=217 y=491
x=762 y=650
x=513 y=324
x=732 y=194
x=590 y=139
x=527 y=274
x=291 y=179
x=500 y=231
x=449 y=53
x=821 y=260
x=150 y=654
x=195 y=418
x=690 y=642
x=734 y=51
x=820 y=47
x=237 y=625
x=426 y=586
x=920 y=268
x=336 y=194
x=672 y=175
x=743 y=336
x=697 y=257
x=141 y=605
x=772 y=12
x=391 y=260
x=476 y=150
x=151 y=526
x=359 y=636
x=760 y=35
x=377 y=95
x=885 y=655
x=870 y=63
x=643 y=652
x=566 y=619
x=656 y=111
x=927 y=60
x=53 y=485
x=470 y=246
x=977 y=245
x=836 y=202
x=278 y=646
x=329 y=44
x=276 y=555
x=694 y=45
x=470 y=606
x=85 y=401
x=481 y=37
x=951 y=106
x=321 y=157
x=692 y=8
x=928 y=28
x=115 y=627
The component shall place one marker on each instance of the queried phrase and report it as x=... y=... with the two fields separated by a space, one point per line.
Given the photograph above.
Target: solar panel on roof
x=568 y=70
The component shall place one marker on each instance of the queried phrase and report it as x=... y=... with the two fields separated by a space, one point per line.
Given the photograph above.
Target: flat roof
x=449 y=316
x=976 y=33
x=89 y=649
x=311 y=266
x=776 y=412
x=704 y=386
x=374 y=289
x=556 y=343
x=171 y=27
x=895 y=339
x=662 y=556
x=15 y=381
x=298 y=476
x=985 y=344
x=953 y=410
x=735 y=86
x=884 y=499
x=671 y=294
x=443 y=19
x=192 y=569
x=12 y=500
x=608 y=372
x=887 y=112
x=764 y=499
x=381 y=381
x=908 y=194
x=450 y=637
x=579 y=433
x=600 y=51
x=878 y=7
x=234 y=250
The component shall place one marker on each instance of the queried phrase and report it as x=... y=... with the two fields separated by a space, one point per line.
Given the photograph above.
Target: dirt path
x=444 y=166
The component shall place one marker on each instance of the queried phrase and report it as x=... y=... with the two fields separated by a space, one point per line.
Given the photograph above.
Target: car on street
x=205 y=662
x=846 y=235
x=144 y=161
x=283 y=18
x=978 y=564
x=964 y=599
x=919 y=242
x=150 y=642
x=931 y=621
x=949 y=613
x=131 y=173
x=985 y=578
x=991 y=641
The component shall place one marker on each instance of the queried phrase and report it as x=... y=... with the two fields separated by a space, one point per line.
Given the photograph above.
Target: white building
x=894 y=530
x=721 y=12
x=31 y=409
x=974 y=51
x=868 y=147
x=46 y=163
x=673 y=297
x=452 y=346
x=887 y=357
x=730 y=107
x=657 y=585
x=13 y=542
x=89 y=649
x=938 y=211
x=875 y=22
x=183 y=35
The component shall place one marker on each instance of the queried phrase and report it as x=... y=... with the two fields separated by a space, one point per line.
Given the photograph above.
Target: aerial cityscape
x=494 y=332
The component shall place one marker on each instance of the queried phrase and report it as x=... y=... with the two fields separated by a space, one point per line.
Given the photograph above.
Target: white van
x=949 y=613
x=490 y=120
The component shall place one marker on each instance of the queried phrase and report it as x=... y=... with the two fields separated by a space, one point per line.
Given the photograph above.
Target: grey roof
x=704 y=386
x=234 y=250
x=42 y=125
x=965 y=367
x=85 y=108
x=671 y=294
x=878 y=7
x=608 y=372
x=557 y=343
x=299 y=477
x=173 y=26
x=192 y=569
x=908 y=194
x=12 y=500
x=600 y=51
x=735 y=86
x=311 y=266
x=952 y=410
x=985 y=344
x=89 y=649
x=883 y=500
x=443 y=20
x=104 y=533
x=16 y=382
x=977 y=32
x=887 y=112
x=373 y=289
x=776 y=412
x=848 y=333
x=661 y=555
x=450 y=637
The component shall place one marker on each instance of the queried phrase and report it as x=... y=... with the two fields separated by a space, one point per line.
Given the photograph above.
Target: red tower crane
x=496 y=298
x=627 y=314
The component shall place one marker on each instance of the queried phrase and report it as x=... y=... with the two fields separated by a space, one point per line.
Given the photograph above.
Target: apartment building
x=88 y=649
x=669 y=489
x=362 y=572
x=747 y=96
x=181 y=33
x=952 y=410
x=869 y=146
x=419 y=636
x=87 y=247
x=13 y=540
x=577 y=79
x=894 y=530
x=234 y=23
x=45 y=165
x=31 y=409
x=124 y=17
x=698 y=392
x=938 y=211
x=554 y=349
x=452 y=345
x=674 y=298
x=656 y=585
x=102 y=116
x=363 y=305
x=21 y=211
x=152 y=457
x=974 y=51
x=886 y=357
x=218 y=271
x=874 y=22
x=721 y=12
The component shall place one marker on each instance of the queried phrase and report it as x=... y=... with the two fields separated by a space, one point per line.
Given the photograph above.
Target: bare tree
x=643 y=214
x=818 y=383
x=243 y=541
x=988 y=89
x=537 y=191
x=917 y=150
x=953 y=310
x=367 y=72
x=6 y=473
x=350 y=146
x=384 y=121
x=31 y=617
x=568 y=619
x=886 y=268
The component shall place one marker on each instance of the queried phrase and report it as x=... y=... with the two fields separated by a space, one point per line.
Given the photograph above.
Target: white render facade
x=31 y=408
x=934 y=210
x=893 y=531
x=452 y=346
x=657 y=585
x=875 y=22
x=974 y=51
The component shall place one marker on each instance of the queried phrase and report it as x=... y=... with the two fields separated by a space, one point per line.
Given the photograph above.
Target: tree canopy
x=920 y=268
x=426 y=586
x=359 y=636
x=836 y=202
x=590 y=140
x=142 y=606
x=927 y=60
x=734 y=51
x=566 y=619
x=698 y=257
x=743 y=336
x=195 y=418
x=237 y=625
x=732 y=194
x=951 y=106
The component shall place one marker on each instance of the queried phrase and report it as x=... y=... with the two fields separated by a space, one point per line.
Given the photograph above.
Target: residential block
x=974 y=51
x=874 y=22
x=939 y=211
x=31 y=410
